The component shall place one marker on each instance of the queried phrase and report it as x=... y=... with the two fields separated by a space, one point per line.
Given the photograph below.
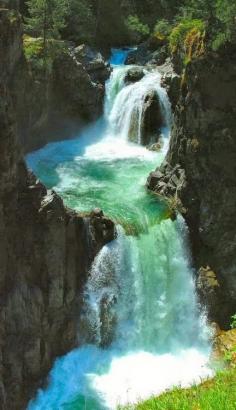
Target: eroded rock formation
x=61 y=101
x=199 y=174
x=46 y=251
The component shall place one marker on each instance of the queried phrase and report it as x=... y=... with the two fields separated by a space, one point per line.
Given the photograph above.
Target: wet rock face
x=46 y=251
x=133 y=75
x=167 y=181
x=171 y=81
x=203 y=145
x=152 y=120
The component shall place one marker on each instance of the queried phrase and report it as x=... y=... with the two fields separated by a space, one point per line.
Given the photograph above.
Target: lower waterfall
x=145 y=332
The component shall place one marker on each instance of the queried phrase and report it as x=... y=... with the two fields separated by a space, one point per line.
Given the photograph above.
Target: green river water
x=160 y=338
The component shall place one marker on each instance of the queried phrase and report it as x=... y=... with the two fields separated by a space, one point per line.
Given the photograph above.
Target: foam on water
x=160 y=341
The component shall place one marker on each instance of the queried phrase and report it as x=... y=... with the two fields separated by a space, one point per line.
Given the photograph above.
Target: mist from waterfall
x=144 y=330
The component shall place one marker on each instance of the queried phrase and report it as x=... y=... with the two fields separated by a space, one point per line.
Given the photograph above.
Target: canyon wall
x=199 y=175
x=54 y=105
x=46 y=251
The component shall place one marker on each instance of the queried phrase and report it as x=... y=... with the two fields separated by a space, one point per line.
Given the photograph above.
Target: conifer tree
x=46 y=18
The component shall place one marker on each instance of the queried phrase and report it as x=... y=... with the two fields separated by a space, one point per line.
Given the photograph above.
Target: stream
x=145 y=330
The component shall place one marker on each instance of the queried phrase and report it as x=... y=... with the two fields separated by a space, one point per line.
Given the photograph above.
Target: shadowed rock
x=46 y=251
x=152 y=119
x=133 y=75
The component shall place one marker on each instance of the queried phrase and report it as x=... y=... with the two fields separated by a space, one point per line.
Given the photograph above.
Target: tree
x=199 y=9
x=226 y=13
x=80 y=22
x=46 y=19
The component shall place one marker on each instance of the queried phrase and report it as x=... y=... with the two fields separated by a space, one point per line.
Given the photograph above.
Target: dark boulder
x=152 y=119
x=133 y=75
x=93 y=62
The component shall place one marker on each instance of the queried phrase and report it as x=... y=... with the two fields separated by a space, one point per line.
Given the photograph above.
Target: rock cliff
x=56 y=105
x=199 y=175
x=46 y=251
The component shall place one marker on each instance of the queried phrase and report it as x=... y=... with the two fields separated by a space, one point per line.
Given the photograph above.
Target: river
x=145 y=331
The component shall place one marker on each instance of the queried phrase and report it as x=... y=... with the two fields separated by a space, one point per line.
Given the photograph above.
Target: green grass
x=215 y=394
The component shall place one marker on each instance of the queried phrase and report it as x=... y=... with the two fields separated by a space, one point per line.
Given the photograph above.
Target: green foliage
x=229 y=356
x=197 y=9
x=33 y=47
x=138 y=29
x=162 y=28
x=80 y=22
x=179 y=33
x=226 y=14
x=219 y=16
x=46 y=18
x=233 y=322
x=45 y=22
x=219 y=40
x=216 y=394
x=39 y=58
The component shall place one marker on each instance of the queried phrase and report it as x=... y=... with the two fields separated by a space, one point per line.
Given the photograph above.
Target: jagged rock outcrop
x=170 y=80
x=46 y=251
x=94 y=63
x=200 y=173
x=151 y=52
x=55 y=105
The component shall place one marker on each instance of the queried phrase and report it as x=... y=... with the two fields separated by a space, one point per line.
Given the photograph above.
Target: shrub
x=138 y=30
x=183 y=30
x=162 y=28
x=33 y=50
x=39 y=60
x=80 y=22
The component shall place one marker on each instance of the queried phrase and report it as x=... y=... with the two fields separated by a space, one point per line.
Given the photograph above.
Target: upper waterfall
x=125 y=104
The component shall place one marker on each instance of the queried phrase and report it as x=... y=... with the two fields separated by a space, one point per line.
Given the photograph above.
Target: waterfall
x=124 y=105
x=144 y=330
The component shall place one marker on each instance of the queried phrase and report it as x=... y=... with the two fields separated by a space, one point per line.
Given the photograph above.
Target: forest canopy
x=114 y=22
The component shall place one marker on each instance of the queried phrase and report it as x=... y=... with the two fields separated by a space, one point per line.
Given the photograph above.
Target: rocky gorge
x=46 y=249
x=60 y=101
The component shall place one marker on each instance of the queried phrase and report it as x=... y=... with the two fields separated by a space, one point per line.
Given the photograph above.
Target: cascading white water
x=124 y=105
x=140 y=306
